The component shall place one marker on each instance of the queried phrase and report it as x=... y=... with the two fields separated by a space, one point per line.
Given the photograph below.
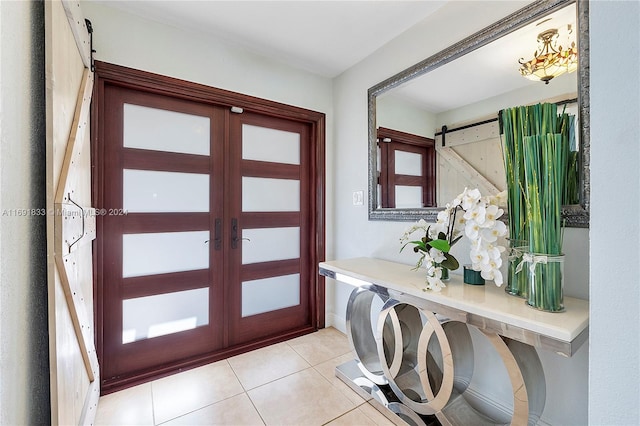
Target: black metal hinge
x=90 y=31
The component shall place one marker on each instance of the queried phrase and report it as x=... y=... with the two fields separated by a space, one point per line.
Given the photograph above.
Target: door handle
x=217 y=239
x=234 y=234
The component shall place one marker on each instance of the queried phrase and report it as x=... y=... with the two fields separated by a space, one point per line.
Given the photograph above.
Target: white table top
x=488 y=301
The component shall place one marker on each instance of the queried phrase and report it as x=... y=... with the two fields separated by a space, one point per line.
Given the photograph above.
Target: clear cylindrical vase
x=546 y=281
x=517 y=282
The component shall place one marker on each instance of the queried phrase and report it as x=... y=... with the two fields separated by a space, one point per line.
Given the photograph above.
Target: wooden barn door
x=70 y=218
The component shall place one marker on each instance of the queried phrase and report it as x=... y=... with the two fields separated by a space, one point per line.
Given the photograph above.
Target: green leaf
x=450 y=262
x=419 y=244
x=441 y=245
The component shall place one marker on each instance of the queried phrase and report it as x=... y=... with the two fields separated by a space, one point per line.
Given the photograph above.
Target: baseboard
x=333 y=320
x=497 y=408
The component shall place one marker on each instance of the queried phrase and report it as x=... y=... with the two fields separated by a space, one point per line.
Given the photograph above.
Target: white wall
x=135 y=42
x=563 y=87
x=356 y=236
x=395 y=113
x=24 y=343
x=614 y=368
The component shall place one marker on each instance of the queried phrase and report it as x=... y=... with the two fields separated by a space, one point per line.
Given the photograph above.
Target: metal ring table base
x=417 y=366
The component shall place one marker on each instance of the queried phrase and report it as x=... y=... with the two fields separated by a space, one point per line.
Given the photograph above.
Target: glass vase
x=445 y=273
x=546 y=281
x=471 y=276
x=517 y=282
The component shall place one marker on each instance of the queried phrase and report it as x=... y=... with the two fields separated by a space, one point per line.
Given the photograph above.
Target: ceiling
x=492 y=70
x=328 y=37
x=324 y=37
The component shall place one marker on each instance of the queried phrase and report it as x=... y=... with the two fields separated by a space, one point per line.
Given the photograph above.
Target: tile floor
x=290 y=383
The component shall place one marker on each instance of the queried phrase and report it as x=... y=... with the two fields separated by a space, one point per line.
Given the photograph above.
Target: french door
x=208 y=238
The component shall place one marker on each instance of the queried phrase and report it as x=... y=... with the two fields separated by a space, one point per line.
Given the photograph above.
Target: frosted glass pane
x=408 y=197
x=264 y=144
x=159 y=253
x=267 y=244
x=162 y=130
x=408 y=163
x=151 y=191
x=162 y=314
x=270 y=195
x=269 y=294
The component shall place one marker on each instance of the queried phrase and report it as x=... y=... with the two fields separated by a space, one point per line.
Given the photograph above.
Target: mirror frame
x=576 y=215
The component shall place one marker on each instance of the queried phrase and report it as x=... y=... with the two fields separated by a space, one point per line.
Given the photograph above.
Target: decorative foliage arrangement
x=514 y=128
x=537 y=147
x=470 y=215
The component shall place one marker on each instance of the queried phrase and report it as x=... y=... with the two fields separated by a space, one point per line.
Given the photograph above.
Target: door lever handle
x=234 y=234
x=217 y=240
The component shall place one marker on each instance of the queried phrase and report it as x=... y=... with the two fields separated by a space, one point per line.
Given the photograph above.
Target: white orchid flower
x=434 y=271
x=488 y=235
x=470 y=198
x=434 y=275
x=493 y=251
x=443 y=216
x=477 y=213
x=421 y=225
x=480 y=224
x=434 y=284
x=436 y=255
x=489 y=267
x=500 y=229
x=494 y=212
x=471 y=230
x=493 y=274
x=500 y=199
x=480 y=257
x=458 y=200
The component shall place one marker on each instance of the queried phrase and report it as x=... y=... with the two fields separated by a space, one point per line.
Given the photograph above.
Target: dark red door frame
x=390 y=141
x=114 y=75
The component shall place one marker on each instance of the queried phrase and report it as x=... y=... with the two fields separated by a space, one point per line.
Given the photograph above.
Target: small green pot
x=472 y=277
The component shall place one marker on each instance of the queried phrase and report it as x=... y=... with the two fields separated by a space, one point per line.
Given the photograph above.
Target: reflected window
x=407 y=176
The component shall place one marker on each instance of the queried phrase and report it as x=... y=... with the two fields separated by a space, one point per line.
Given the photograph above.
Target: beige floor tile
x=191 y=390
x=303 y=398
x=265 y=365
x=131 y=406
x=237 y=410
x=353 y=418
x=375 y=415
x=321 y=346
x=328 y=371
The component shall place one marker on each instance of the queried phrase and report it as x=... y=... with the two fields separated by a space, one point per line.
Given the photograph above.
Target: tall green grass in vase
x=545 y=164
x=515 y=127
x=572 y=189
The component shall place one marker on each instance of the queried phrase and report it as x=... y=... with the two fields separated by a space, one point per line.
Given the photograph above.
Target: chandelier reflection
x=551 y=59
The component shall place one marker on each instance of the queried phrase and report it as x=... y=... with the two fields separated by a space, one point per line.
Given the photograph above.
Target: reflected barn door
x=270 y=263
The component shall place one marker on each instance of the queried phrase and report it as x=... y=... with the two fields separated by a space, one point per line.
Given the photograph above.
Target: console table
x=415 y=354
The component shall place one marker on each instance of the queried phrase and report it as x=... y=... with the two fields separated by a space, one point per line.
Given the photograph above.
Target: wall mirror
x=464 y=87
